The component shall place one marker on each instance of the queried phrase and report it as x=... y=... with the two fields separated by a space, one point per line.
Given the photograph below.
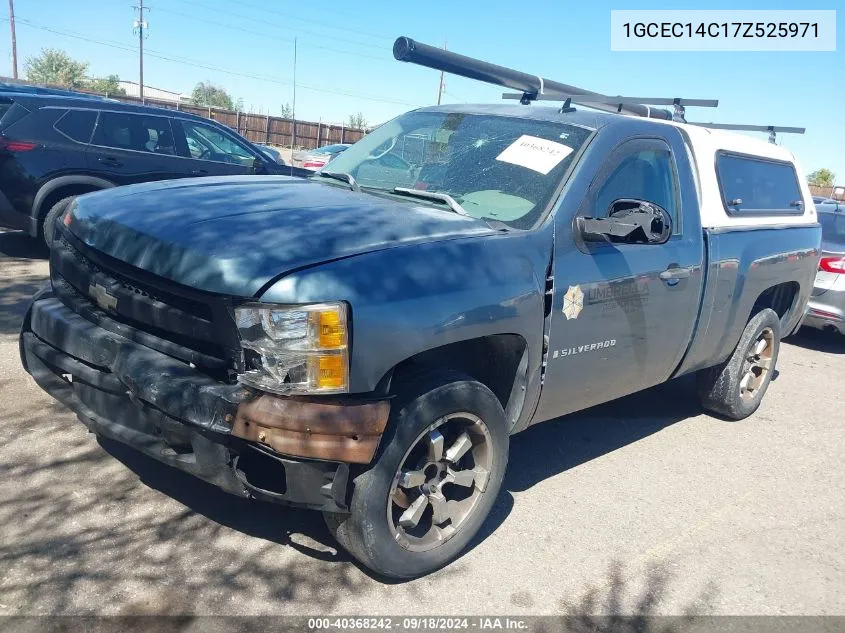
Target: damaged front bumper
x=225 y=434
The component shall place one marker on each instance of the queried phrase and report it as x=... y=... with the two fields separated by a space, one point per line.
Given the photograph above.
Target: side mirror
x=628 y=221
x=259 y=166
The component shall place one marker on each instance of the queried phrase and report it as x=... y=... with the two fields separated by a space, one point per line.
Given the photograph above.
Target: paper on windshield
x=535 y=153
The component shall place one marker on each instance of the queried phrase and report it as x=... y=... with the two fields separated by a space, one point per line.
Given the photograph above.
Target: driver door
x=623 y=314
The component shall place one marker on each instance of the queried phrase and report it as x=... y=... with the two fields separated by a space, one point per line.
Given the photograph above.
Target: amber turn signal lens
x=331 y=371
x=332 y=330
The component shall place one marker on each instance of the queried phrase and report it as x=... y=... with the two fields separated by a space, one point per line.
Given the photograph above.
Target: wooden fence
x=260 y=128
x=837 y=192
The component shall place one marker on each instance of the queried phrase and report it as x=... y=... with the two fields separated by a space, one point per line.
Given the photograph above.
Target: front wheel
x=434 y=482
x=736 y=387
x=49 y=228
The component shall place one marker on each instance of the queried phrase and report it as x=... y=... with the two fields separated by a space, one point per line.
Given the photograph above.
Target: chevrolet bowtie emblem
x=102 y=297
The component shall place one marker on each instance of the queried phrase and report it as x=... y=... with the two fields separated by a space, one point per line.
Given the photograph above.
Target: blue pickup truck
x=365 y=341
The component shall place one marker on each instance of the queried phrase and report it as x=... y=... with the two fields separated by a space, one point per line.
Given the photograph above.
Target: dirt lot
x=643 y=505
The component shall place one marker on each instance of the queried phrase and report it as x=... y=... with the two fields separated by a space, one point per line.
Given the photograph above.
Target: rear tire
x=49 y=226
x=448 y=431
x=735 y=388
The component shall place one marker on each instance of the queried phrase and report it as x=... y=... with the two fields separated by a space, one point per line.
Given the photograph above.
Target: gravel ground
x=641 y=505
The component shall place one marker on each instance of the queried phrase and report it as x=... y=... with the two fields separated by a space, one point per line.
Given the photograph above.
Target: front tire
x=49 y=227
x=735 y=388
x=434 y=481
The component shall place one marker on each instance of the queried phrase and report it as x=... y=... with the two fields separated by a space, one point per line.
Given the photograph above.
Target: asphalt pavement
x=644 y=505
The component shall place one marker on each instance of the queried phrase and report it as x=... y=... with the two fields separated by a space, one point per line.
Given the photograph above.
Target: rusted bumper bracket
x=342 y=430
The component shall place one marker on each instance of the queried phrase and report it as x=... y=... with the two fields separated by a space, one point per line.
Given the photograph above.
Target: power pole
x=141 y=25
x=14 y=40
x=442 y=82
x=293 y=109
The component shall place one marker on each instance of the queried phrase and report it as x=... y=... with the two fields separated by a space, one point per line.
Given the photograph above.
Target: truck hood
x=234 y=235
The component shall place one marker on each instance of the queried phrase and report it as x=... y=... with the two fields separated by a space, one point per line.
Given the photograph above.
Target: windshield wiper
x=349 y=179
x=432 y=195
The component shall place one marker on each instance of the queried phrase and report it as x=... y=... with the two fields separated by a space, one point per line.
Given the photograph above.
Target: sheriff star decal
x=573 y=302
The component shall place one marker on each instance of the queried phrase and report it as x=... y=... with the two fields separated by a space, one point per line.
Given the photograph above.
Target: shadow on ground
x=79 y=522
x=19 y=280
x=550 y=448
x=818 y=341
x=19 y=245
x=600 y=609
x=543 y=451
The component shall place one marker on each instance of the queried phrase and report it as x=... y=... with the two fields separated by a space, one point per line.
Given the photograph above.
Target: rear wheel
x=736 y=387
x=433 y=483
x=52 y=217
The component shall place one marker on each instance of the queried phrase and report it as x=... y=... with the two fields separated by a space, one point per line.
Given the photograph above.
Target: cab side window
x=207 y=143
x=640 y=169
x=136 y=132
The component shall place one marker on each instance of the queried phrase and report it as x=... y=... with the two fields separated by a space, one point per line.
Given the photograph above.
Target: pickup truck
x=364 y=342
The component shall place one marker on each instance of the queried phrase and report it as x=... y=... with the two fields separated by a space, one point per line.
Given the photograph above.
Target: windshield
x=502 y=168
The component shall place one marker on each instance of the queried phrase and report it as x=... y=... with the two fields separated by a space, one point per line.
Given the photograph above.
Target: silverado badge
x=573 y=302
x=102 y=297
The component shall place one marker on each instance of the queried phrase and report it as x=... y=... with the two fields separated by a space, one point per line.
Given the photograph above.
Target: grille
x=189 y=319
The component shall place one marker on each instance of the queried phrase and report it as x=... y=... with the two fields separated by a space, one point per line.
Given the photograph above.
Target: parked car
x=271 y=152
x=823 y=200
x=6 y=87
x=827 y=305
x=55 y=147
x=315 y=159
x=367 y=350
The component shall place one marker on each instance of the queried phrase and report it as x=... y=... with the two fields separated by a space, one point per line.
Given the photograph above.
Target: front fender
x=414 y=298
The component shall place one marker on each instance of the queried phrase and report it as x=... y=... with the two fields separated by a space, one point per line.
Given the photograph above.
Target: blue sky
x=345 y=63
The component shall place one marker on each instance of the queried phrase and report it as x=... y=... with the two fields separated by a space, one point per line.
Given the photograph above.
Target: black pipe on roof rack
x=406 y=49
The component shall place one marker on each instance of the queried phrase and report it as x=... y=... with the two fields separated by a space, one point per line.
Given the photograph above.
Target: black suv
x=55 y=147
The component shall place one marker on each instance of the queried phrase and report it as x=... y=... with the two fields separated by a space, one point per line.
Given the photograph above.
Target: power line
x=275 y=38
x=318 y=22
x=299 y=31
x=449 y=94
x=291 y=16
x=196 y=64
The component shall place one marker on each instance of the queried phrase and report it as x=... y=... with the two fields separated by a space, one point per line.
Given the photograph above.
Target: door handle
x=199 y=172
x=111 y=161
x=675 y=273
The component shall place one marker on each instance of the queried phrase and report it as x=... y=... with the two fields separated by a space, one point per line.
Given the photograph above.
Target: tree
x=287 y=112
x=207 y=94
x=357 y=121
x=822 y=178
x=54 y=66
x=106 y=85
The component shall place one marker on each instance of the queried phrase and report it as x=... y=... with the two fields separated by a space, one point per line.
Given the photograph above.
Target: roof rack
x=619 y=101
x=535 y=88
x=771 y=129
x=532 y=87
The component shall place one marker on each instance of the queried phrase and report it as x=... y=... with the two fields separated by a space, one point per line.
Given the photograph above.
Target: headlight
x=298 y=349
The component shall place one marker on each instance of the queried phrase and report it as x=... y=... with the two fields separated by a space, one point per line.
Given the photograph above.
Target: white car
x=315 y=159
